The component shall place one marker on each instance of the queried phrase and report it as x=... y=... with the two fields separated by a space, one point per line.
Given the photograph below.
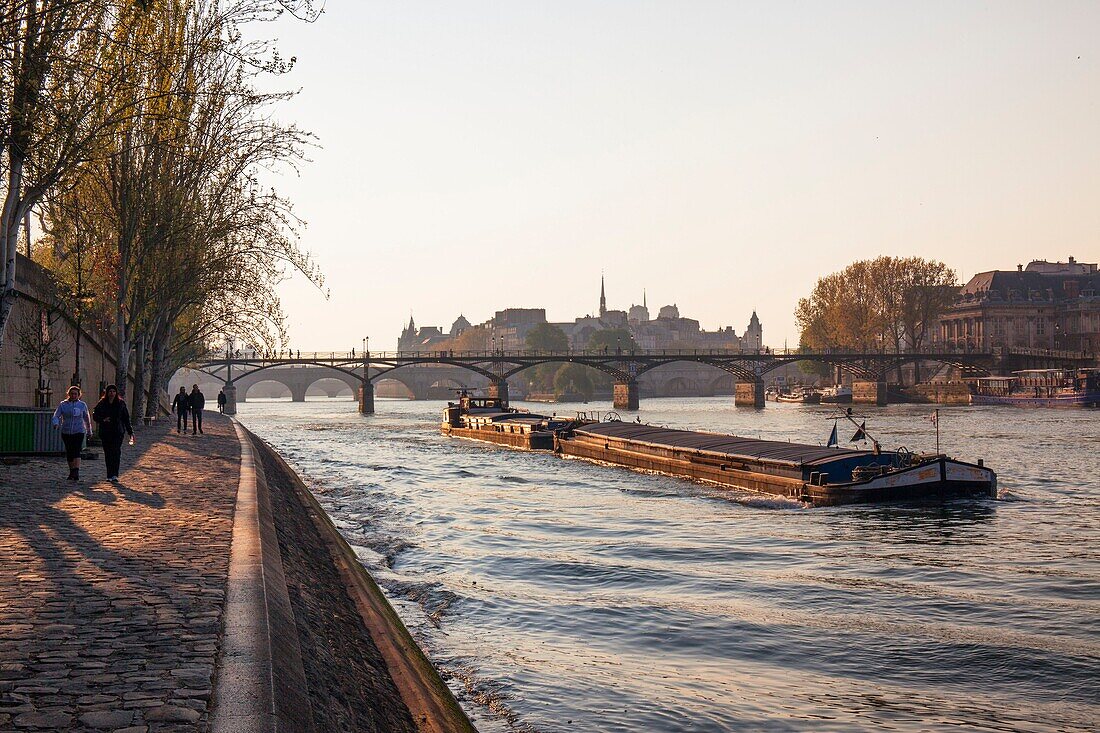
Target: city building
x=508 y=329
x=428 y=338
x=1046 y=305
x=510 y=326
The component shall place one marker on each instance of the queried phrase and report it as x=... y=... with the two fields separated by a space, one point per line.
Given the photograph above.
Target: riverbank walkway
x=112 y=595
x=206 y=591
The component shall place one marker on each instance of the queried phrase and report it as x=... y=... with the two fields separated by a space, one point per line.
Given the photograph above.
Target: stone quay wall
x=18 y=384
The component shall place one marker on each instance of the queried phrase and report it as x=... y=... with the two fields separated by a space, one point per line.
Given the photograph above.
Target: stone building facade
x=1046 y=305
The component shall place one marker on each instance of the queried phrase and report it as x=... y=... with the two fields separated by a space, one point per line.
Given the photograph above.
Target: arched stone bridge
x=423 y=382
x=868 y=369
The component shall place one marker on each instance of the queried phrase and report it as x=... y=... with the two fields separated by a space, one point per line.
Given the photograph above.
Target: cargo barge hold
x=822 y=476
x=810 y=473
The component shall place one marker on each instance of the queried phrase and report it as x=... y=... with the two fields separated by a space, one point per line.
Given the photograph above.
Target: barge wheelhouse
x=490 y=419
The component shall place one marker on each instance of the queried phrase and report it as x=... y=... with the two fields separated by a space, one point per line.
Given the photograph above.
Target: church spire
x=603 y=298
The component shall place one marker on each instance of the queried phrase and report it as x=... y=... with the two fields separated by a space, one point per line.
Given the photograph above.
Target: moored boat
x=800 y=396
x=836 y=395
x=819 y=475
x=1040 y=388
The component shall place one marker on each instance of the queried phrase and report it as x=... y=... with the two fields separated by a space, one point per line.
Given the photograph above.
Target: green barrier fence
x=29 y=431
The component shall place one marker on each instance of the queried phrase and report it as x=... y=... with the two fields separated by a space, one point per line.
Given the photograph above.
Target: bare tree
x=39 y=347
x=56 y=65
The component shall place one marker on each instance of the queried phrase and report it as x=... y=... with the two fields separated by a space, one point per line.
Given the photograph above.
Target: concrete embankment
x=362 y=668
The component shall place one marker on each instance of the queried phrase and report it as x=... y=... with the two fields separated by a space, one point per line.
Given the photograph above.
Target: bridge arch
x=333 y=387
x=349 y=373
x=391 y=368
x=297 y=377
x=383 y=386
x=244 y=391
x=855 y=367
x=740 y=371
x=600 y=365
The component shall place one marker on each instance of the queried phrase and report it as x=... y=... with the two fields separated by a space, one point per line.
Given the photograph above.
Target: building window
x=1040 y=326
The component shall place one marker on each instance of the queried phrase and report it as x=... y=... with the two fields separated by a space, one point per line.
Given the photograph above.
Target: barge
x=821 y=476
x=491 y=420
x=802 y=396
x=1040 y=388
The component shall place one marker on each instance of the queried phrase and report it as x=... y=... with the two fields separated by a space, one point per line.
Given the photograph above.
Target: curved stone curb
x=260 y=684
x=429 y=700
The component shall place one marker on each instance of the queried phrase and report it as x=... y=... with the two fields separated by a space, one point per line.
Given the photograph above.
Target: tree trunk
x=122 y=349
x=9 y=239
x=137 y=402
x=156 y=372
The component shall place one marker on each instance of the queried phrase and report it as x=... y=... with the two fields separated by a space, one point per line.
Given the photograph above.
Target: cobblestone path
x=111 y=595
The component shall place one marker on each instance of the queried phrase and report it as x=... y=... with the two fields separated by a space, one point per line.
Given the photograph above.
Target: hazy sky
x=721 y=155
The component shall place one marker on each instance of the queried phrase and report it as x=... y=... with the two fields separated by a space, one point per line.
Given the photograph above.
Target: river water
x=559 y=595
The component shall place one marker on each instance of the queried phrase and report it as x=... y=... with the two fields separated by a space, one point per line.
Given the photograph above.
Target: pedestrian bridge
x=363 y=371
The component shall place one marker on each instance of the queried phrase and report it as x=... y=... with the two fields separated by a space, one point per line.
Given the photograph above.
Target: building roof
x=1021 y=284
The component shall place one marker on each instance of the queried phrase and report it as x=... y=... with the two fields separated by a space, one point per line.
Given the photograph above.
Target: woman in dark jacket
x=113 y=418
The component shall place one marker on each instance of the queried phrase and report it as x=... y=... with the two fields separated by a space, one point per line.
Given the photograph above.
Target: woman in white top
x=73 y=418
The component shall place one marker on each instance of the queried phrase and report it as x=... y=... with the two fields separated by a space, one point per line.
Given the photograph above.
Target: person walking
x=114 y=423
x=180 y=406
x=197 y=401
x=74 y=420
x=221 y=401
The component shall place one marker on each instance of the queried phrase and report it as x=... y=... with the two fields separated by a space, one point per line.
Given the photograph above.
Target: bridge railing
x=294 y=356
x=1052 y=353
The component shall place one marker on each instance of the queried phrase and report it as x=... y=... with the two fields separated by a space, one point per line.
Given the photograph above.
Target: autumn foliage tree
x=885 y=304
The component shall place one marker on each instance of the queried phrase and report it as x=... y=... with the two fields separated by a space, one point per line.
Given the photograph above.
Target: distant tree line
x=137 y=133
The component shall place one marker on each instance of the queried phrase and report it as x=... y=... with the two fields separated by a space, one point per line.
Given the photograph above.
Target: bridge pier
x=230 y=391
x=625 y=395
x=499 y=390
x=749 y=394
x=366 y=397
x=869 y=393
x=298 y=392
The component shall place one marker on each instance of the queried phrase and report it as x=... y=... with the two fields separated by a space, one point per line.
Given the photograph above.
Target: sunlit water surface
x=560 y=595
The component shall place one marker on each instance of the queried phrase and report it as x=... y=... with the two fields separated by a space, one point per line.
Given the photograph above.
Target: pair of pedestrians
x=185 y=403
x=75 y=421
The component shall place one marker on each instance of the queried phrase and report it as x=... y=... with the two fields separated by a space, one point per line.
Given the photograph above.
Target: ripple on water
x=560 y=595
